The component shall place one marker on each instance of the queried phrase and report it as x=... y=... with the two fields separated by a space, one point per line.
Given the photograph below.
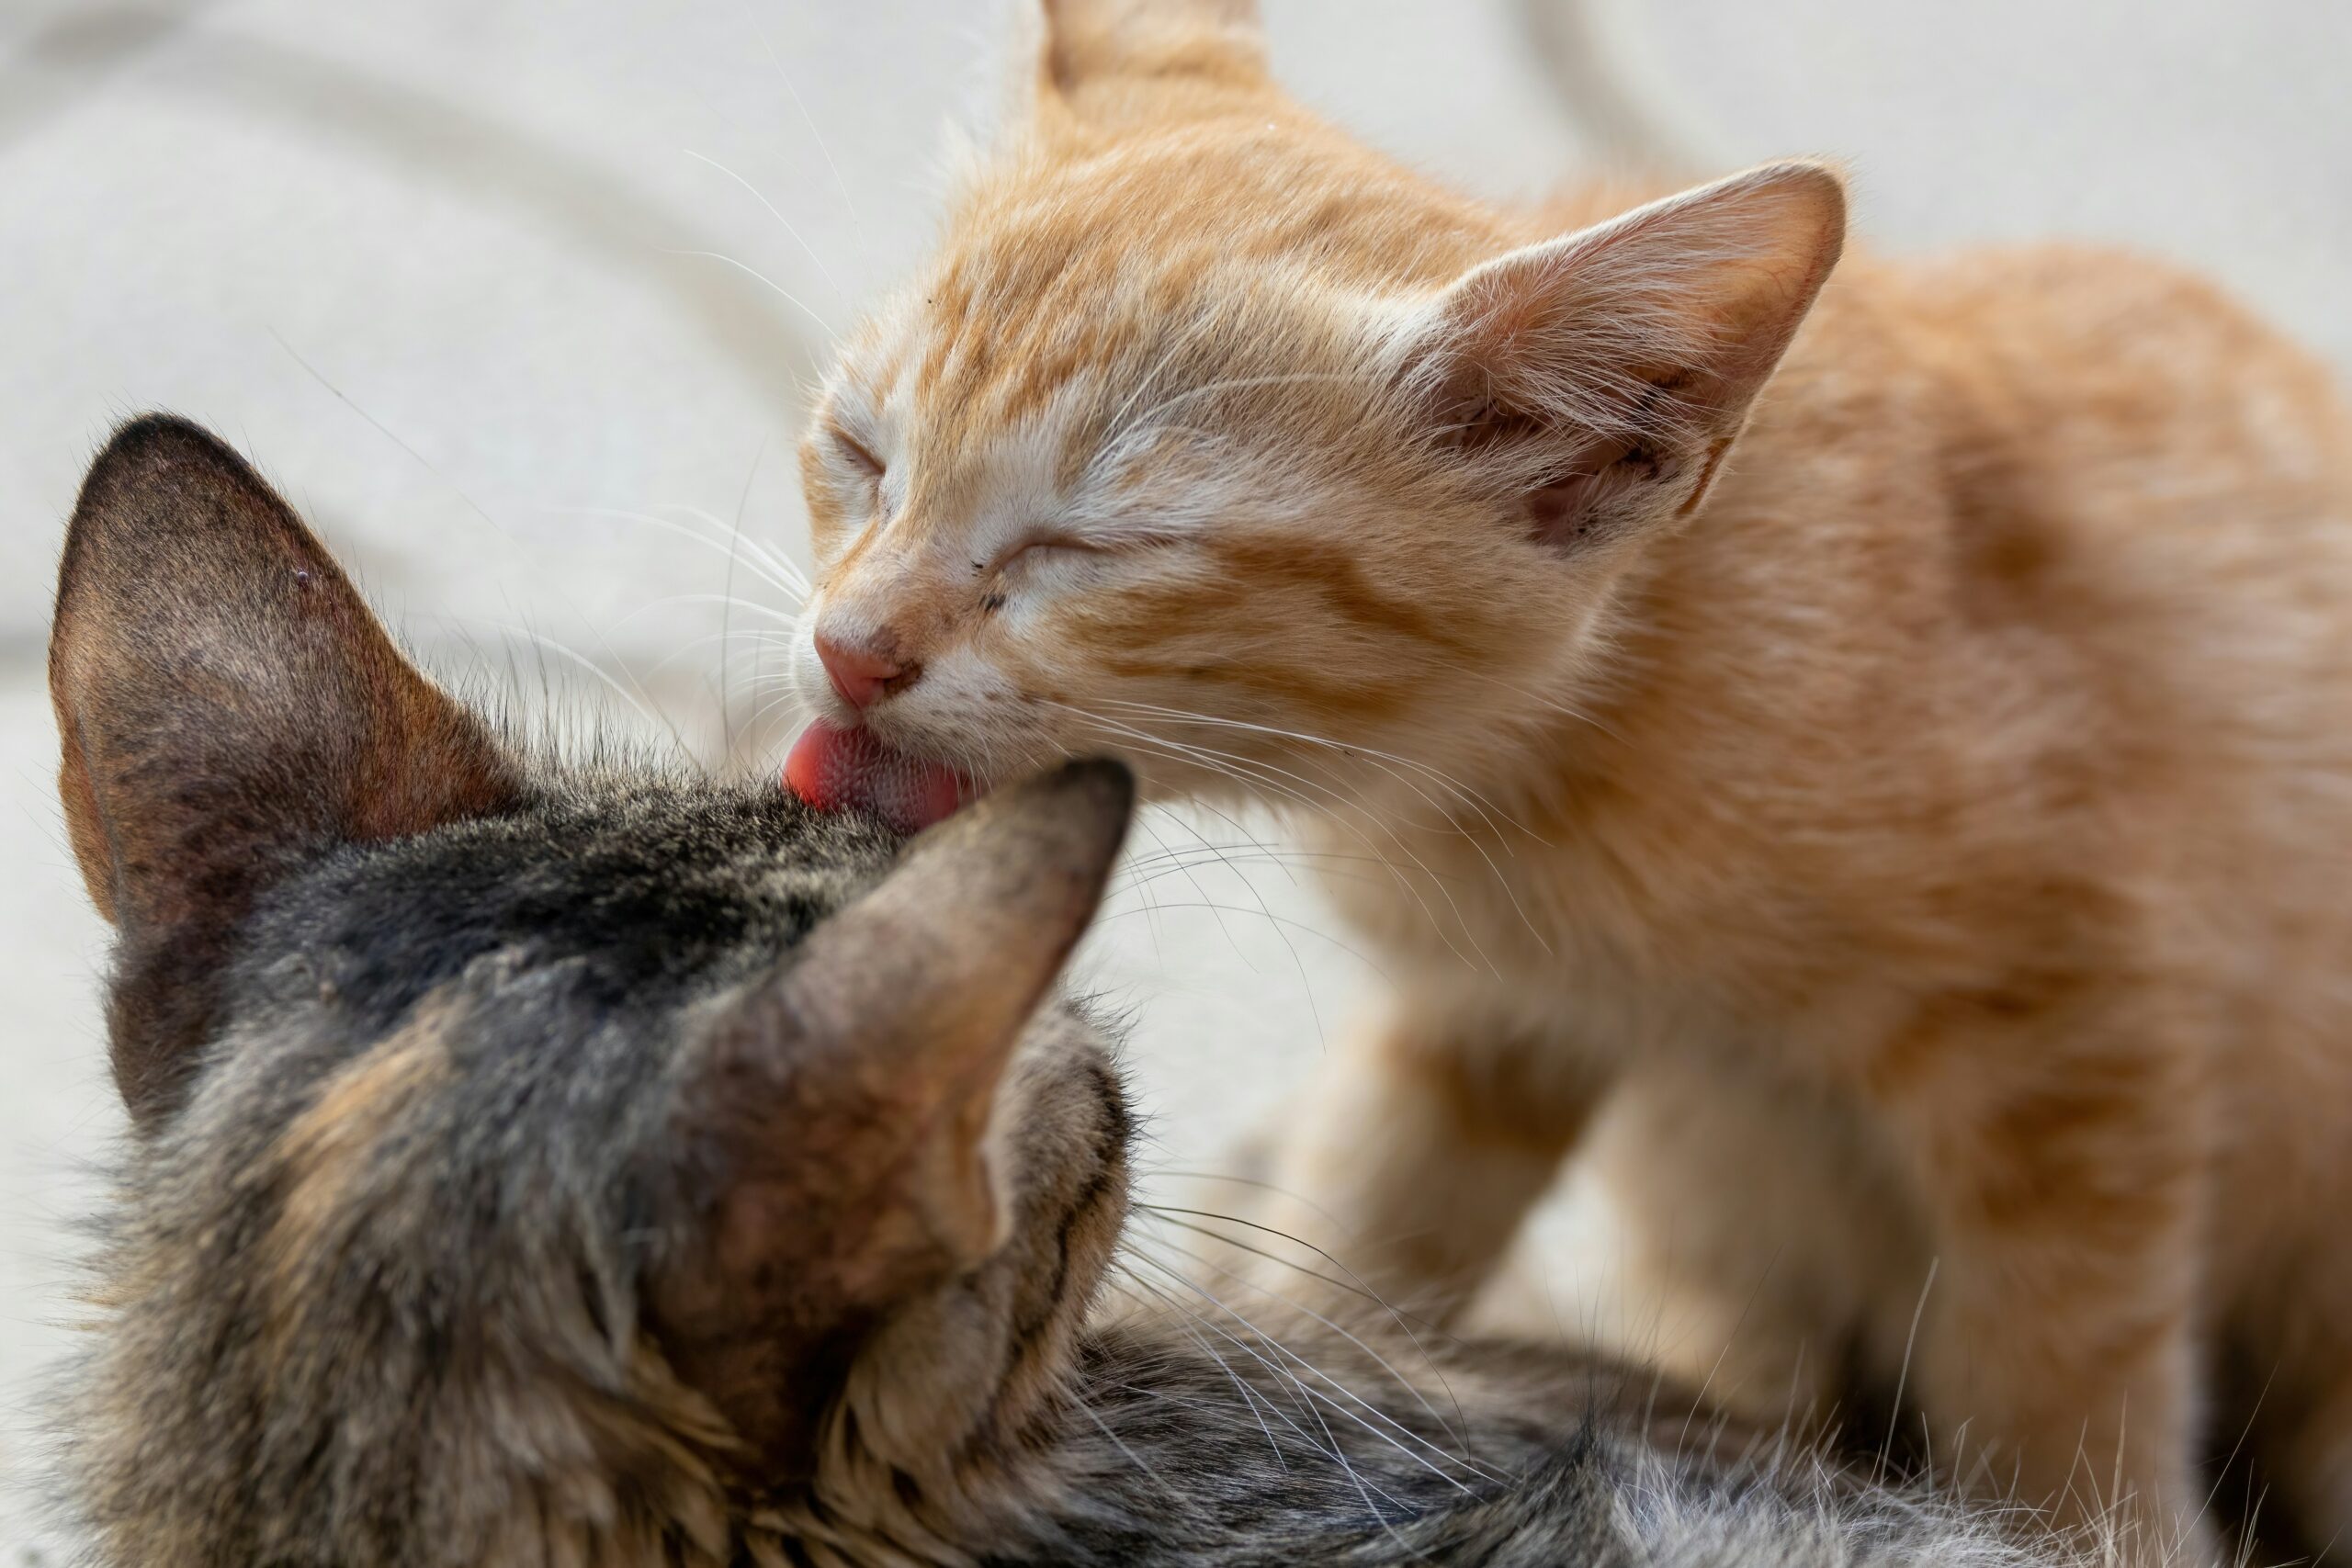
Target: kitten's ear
x=837 y=1117
x=1599 y=380
x=227 y=708
x=1084 y=43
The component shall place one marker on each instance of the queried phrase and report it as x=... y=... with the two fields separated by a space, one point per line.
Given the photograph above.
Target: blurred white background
x=474 y=280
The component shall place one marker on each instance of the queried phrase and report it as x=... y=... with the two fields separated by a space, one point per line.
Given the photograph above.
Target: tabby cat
x=593 y=1167
x=1901 y=766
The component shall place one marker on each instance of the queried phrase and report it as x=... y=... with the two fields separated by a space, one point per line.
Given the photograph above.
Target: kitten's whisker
x=786 y=295
x=1540 y=700
x=1475 y=799
x=784 y=585
x=789 y=699
x=542 y=640
x=1201 y=755
x=1305 y=984
x=1175 y=1217
x=734 y=601
x=726 y=640
x=782 y=565
x=864 y=249
x=1283 y=921
x=1231 y=765
x=726 y=612
x=1204 y=892
x=1235 y=760
x=386 y=430
x=1257 y=784
x=822 y=270
x=772 y=566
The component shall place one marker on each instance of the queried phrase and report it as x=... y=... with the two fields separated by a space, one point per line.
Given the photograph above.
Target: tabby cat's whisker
x=1189 y=1321
x=1462 y=1458
x=1394 y=1441
x=1306 y=1398
x=1356 y=1282
x=1134 y=1458
x=1168 y=1216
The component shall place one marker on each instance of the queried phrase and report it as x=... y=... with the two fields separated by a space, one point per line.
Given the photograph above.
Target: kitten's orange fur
x=1934 y=833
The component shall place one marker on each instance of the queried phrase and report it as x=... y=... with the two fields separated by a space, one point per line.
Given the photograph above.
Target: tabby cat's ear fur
x=1600 y=379
x=840 y=1108
x=1091 y=42
x=227 y=708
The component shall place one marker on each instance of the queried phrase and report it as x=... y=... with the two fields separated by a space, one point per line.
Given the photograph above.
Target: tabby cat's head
x=1206 y=425
x=530 y=1166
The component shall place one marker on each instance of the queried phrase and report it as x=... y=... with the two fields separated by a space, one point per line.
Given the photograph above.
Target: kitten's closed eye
x=1040 y=546
x=859 y=454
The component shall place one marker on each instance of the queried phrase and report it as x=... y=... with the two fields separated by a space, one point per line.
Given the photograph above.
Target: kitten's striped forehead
x=1066 y=286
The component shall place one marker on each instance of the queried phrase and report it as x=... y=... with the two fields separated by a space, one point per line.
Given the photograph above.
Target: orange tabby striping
x=1927 y=824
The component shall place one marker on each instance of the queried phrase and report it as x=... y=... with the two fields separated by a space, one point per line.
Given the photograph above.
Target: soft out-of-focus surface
x=515 y=298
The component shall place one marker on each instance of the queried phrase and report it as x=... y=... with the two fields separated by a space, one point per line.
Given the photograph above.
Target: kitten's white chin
x=835 y=769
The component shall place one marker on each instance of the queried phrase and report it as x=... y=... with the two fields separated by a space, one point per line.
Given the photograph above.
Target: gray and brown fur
x=602 y=1168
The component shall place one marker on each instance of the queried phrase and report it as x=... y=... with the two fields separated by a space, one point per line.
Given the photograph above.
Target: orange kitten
x=1927 y=819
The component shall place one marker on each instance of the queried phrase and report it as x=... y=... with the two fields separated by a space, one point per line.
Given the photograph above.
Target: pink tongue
x=834 y=769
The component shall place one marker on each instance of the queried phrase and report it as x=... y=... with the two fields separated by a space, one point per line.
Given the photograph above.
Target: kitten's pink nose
x=859 y=674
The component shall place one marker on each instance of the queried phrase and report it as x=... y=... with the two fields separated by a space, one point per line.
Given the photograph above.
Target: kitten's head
x=1205 y=424
x=534 y=1166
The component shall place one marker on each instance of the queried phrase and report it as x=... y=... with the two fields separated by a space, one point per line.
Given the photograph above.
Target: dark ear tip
x=1084 y=803
x=152 y=444
x=1105 y=779
x=1100 y=789
x=160 y=457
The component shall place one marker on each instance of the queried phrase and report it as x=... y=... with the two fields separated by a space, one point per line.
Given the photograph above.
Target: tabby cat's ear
x=1085 y=43
x=837 y=1118
x=228 y=710
x=1598 y=380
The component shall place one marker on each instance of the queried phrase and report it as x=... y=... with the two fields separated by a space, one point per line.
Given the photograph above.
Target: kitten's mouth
x=834 y=769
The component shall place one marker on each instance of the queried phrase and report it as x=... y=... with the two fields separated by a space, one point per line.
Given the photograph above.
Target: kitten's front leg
x=2059 y=1353
x=1423 y=1144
